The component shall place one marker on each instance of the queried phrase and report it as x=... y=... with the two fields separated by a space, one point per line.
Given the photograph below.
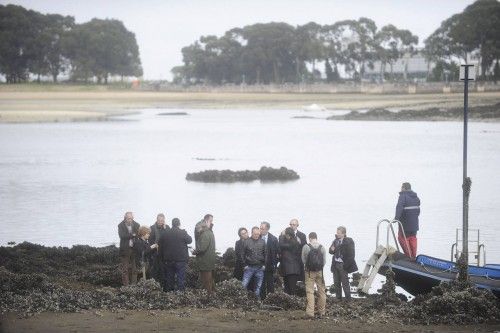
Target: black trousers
x=291 y=283
x=267 y=284
x=157 y=269
x=341 y=280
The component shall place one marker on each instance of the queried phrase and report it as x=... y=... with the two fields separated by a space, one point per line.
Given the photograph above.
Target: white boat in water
x=314 y=107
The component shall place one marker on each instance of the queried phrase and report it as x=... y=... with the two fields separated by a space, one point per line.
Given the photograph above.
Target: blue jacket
x=407 y=211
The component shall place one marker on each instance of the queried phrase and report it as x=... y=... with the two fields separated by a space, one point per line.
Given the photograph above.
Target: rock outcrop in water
x=265 y=174
x=35 y=279
x=486 y=112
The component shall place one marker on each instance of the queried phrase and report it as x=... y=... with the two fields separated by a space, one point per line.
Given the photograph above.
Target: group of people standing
x=261 y=254
x=159 y=250
x=163 y=251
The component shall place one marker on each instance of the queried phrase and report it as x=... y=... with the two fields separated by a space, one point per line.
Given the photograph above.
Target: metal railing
x=391 y=229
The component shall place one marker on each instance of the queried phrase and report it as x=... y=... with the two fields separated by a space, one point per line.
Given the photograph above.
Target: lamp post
x=464 y=76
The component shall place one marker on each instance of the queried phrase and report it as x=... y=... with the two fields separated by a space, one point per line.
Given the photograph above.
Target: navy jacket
x=272 y=250
x=173 y=245
x=407 y=211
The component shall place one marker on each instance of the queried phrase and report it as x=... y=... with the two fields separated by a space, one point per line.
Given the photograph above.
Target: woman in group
x=290 y=264
x=238 y=249
x=143 y=249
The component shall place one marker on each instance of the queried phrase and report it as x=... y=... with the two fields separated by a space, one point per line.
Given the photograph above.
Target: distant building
x=410 y=67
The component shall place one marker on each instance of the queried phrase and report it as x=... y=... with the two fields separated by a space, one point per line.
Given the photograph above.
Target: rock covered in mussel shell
x=285 y=301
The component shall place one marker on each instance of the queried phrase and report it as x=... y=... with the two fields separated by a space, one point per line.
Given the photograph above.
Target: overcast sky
x=162 y=28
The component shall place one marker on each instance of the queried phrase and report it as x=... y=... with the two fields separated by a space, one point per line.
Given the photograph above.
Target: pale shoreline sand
x=24 y=106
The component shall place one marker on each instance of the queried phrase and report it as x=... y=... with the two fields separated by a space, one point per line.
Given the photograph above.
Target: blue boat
x=418 y=276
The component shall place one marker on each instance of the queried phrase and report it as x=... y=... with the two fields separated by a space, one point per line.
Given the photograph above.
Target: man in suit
x=343 y=262
x=272 y=247
x=155 y=265
x=301 y=238
x=127 y=231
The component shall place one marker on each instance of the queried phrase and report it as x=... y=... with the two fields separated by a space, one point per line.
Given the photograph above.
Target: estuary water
x=70 y=183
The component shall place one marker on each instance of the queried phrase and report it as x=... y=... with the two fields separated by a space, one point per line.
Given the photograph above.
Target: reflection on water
x=70 y=183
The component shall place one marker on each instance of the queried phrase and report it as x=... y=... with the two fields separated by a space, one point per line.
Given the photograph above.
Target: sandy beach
x=20 y=104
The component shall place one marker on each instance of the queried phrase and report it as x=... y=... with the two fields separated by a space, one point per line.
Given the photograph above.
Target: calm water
x=70 y=183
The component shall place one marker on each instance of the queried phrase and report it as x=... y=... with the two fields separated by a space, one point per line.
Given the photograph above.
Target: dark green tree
x=17 y=35
x=102 y=48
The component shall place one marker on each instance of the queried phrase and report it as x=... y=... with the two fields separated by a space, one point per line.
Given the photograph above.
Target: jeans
x=251 y=271
x=175 y=269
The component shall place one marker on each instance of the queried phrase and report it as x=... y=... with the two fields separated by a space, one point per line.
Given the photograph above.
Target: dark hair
x=255 y=228
x=241 y=229
x=176 y=222
x=289 y=231
x=406 y=186
x=268 y=226
x=206 y=217
x=313 y=235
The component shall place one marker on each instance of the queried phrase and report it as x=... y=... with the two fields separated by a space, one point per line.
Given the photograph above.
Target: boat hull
x=418 y=278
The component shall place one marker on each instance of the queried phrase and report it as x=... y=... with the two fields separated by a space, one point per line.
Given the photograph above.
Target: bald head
x=294 y=224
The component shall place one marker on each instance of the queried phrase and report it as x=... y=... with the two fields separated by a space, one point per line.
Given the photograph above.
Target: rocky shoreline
x=265 y=174
x=36 y=279
x=477 y=113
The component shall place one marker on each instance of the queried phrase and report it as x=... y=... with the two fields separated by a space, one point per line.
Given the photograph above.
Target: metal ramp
x=378 y=257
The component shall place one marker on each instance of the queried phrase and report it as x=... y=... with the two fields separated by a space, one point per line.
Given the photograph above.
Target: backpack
x=315 y=260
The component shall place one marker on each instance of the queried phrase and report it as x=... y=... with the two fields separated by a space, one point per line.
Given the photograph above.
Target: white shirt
x=265 y=238
x=131 y=241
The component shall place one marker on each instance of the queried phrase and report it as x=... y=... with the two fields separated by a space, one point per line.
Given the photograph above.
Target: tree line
x=280 y=53
x=52 y=44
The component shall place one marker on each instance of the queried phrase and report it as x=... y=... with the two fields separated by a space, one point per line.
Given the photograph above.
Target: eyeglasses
x=293 y=225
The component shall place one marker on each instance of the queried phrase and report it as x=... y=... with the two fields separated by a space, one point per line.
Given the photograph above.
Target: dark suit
x=344 y=252
x=127 y=255
x=174 y=254
x=303 y=241
x=238 y=266
x=272 y=249
x=156 y=265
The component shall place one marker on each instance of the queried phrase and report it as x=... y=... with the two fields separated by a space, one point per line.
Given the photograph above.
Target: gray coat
x=291 y=251
x=125 y=236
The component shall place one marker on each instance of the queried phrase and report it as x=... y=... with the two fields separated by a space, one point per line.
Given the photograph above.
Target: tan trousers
x=128 y=268
x=312 y=278
x=207 y=281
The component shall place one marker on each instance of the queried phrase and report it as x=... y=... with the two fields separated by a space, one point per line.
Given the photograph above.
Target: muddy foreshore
x=476 y=113
x=35 y=279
